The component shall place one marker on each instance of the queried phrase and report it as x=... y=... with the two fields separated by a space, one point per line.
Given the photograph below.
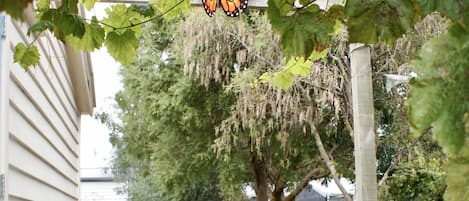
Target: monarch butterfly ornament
x=232 y=8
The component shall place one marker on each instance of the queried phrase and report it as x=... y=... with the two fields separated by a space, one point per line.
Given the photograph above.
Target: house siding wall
x=41 y=119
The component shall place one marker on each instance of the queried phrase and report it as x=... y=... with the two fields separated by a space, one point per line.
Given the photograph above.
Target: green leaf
x=69 y=6
x=439 y=96
x=283 y=80
x=318 y=55
x=298 y=66
x=89 y=4
x=118 y=17
x=373 y=21
x=43 y=5
x=457 y=178
x=69 y=24
x=302 y=32
x=265 y=78
x=91 y=40
x=453 y=9
x=145 y=10
x=14 y=7
x=176 y=10
x=26 y=56
x=122 y=46
x=41 y=26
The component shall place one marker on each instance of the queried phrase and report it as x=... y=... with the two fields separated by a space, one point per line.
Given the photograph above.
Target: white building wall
x=101 y=191
x=40 y=118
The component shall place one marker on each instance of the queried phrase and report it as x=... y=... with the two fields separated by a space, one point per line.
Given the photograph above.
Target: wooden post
x=363 y=123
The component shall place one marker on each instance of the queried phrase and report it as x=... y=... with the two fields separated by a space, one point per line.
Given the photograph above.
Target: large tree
x=439 y=95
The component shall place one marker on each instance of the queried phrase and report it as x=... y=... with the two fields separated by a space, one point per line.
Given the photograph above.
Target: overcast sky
x=95 y=146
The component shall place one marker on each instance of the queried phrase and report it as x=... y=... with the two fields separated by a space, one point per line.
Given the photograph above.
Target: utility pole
x=363 y=123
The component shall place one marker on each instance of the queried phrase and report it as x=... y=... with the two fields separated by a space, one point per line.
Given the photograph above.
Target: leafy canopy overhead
x=118 y=31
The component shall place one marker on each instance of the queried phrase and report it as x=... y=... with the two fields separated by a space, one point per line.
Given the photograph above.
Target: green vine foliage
x=440 y=99
x=118 y=31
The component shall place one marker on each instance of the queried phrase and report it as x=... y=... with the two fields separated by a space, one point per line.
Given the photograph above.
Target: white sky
x=95 y=146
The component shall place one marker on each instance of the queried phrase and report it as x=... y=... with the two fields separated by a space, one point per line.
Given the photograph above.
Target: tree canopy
x=438 y=96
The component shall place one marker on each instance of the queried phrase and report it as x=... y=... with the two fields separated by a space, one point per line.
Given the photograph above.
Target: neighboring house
x=40 y=111
x=311 y=194
x=96 y=185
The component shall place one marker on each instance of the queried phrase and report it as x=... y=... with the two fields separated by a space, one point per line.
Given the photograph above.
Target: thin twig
x=144 y=21
x=329 y=163
x=398 y=158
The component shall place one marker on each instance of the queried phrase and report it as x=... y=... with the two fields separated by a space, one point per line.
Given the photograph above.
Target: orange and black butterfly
x=232 y=8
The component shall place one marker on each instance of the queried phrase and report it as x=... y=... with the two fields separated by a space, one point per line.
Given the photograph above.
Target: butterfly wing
x=232 y=8
x=210 y=7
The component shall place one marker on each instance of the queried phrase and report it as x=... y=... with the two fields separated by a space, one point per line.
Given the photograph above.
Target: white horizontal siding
x=23 y=185
x=51 y=80
x=30 y=162
x=42 y=146
x=42 y=124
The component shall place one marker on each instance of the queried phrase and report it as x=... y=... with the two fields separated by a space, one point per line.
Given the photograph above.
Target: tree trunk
x=277 y=194
x=363 y=123
x=260 y=178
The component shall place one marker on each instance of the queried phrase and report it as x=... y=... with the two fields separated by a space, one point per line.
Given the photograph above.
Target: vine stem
x=36 y=36
x=398 y=157
x=144 y=21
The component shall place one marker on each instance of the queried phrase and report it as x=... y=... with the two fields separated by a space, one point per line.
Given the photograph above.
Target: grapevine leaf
x=298 y=66
x=89 y=4
x=91 y=40
x=318 y=55
x=41 y=26
x=122 y=46
x=167 y=5
x=373 y=21
x=282 y=80
x=265 y=78
x=454 y=9
x=50 y=15
x=26 y=56
x=70 y=24
x=303 y=32
x=118 y=17
x=438 y=96
x=14 y=7
x=457 y=178
x=69 y=6
x=144 y=10
x=43 y=5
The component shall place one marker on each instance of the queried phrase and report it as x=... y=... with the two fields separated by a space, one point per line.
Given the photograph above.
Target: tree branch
x=329 y=163
x=314 y=174
x=398 y=157
x=144 y=21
